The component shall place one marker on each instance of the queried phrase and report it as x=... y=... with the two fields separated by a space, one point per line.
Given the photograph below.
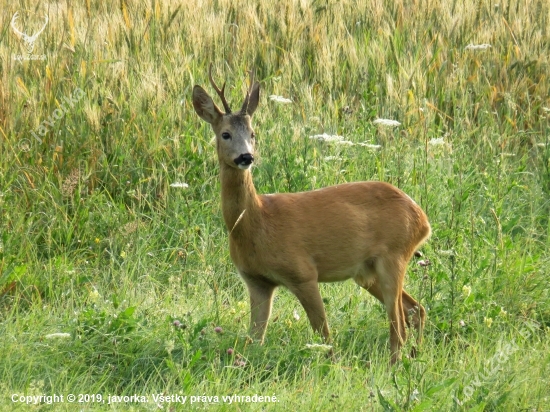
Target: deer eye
x=226 y=136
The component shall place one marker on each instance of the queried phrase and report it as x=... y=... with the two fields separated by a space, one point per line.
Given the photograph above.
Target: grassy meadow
x=115 y=275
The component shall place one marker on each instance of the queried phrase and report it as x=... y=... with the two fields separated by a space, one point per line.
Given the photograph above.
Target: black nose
x=244 y=159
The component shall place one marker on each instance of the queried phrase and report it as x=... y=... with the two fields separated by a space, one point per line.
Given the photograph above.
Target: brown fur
x=365 y=231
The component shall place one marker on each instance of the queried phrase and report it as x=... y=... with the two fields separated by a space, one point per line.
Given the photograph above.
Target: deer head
x=235 y=138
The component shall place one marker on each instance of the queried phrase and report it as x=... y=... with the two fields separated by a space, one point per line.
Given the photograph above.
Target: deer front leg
x=261 y=297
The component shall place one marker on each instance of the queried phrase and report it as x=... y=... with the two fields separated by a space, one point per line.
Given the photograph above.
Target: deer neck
x=241 y=205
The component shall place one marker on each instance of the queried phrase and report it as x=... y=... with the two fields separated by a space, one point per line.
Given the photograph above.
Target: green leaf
x=388 y=405
x=425 y=405
x=436 y=388
x=127 y=313
x=116 y=301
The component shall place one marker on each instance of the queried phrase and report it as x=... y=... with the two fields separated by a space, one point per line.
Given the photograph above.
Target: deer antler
x=219 y=91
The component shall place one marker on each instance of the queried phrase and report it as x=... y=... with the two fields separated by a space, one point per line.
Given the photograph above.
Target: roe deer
x=367 y=231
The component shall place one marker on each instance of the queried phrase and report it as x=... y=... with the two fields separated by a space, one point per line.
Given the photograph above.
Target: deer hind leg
x=261 y=298
x=416 y=314
x=371 y=283
x=309 y=296
x=387 y=286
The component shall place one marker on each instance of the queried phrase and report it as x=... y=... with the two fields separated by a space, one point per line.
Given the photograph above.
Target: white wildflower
x=318 y=347
x=387 y=122
x=477 y=46
x=295 y=315
x=334 y=138
x=546 y=109
x=327 y=137
x=180 y=185
x=449 y=252
x=345 y=142
x=329 y=158
x=466 y=290
x=58 y=335
x=279 y=99
x=437 y=141
x=370 y=146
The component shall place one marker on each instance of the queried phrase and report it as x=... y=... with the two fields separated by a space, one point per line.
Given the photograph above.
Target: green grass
x=94 y=242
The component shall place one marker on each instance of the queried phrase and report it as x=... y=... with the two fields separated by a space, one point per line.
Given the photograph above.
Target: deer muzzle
x=244 y=161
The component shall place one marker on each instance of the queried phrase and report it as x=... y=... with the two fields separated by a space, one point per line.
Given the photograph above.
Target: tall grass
x=96 y=243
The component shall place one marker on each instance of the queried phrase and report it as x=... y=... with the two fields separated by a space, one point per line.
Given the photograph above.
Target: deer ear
x=252 y=99
x=205 y=106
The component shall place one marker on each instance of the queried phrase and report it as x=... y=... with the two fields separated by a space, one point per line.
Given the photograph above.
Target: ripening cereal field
x=116 y=285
